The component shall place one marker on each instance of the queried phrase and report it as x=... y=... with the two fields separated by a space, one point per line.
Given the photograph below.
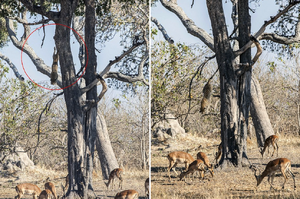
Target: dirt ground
x=132 y=180
x=226 y=183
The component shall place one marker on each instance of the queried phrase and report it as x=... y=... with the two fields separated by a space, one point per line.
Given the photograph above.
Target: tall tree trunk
x=234 y=89
x=91 y=95
x=260 y=118
x=76 y=125
x=81 y=124
x=244 y=81
x=106 y=154
x=228 y=82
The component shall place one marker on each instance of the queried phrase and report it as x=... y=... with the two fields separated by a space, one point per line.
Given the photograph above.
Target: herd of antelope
x=202 y=163
x=50 y=191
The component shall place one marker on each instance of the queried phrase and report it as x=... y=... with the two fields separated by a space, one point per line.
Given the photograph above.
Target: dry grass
x=227 y=183
x=133 y=179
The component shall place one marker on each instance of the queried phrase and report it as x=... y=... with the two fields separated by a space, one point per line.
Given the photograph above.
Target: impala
x=46 y=194
x=127 y=194
x=50 y=186
x=179 y=157
x=204 y=158
x=116 y=173
x=197 y=165
x=147 y=187
x=281 y=164
x=271 y=140
x=27 y=188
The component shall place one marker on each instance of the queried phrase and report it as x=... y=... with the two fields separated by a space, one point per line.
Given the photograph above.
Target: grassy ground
x=132 y=180
x=227 y=183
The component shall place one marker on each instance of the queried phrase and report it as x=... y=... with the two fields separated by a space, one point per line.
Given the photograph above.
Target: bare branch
x=117 y=59
x=246 y=66
x=162 y=30
x=259 y=33
x=282 y=39
x=130 y=79
x=22 y=21
x=12 y=66
x=91 y=85
x=258 y=52
x=188 y=23
x=104 y=89
x=38 y=62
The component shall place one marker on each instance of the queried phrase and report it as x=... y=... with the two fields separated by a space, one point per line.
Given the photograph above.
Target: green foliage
x=18 y=109
x=272 y=66
x=3 y=33
x=173 y=67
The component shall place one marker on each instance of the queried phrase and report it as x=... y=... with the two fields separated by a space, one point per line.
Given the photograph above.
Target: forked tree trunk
x=76 y=127
x=234 y=90
x=81 y=124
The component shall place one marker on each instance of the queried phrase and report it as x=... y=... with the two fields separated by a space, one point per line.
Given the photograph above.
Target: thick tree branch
x=104 y=89
x=259 y=33
x=188 y=23
x=162 y=30
x=130 y=79
x=38 y=62
x=22 y=21
x=282 y=39
x=54 y=16
x=12 y=66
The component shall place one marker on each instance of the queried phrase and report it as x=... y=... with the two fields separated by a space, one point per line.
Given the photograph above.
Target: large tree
x=235 y=64
x=81 y=102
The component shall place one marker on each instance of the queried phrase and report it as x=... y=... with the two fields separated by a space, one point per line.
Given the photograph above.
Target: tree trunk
x=228 y=82
x=260 y=118
x=244 y=81
x=91 y=95
x=106 y=154
x=234 y=88
x=80 y=123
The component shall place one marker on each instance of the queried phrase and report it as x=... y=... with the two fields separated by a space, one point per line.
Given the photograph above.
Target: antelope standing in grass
x=281 y=164
x=271 y=140
x=27 y=188
x=202 y=156
x=179 y=157
x=127 y=194
x=46 y=194
x=50 y=186
x=116 y=173
x=197 y=165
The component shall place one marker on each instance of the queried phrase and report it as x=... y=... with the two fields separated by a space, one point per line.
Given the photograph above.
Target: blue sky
x=45 y=52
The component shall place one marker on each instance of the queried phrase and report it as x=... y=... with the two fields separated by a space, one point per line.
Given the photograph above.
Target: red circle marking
x=87 y=56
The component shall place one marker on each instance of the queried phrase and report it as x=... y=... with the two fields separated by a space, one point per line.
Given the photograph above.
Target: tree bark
x=244 y=81
x=106 y=154
x=77 y=138
x=228 y=83
x=260 y=118
x=91 y=95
